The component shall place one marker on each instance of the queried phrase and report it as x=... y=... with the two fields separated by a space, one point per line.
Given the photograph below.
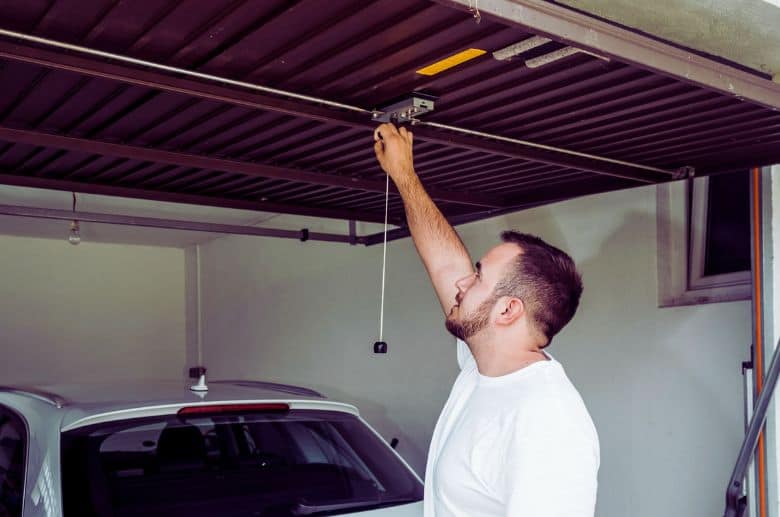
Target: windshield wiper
x=301 y=508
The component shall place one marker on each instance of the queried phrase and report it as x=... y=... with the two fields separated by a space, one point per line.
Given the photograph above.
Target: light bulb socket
x=74 y=236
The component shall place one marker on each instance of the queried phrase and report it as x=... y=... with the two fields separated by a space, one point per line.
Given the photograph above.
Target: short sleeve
x=465 y=357
x=551 y=466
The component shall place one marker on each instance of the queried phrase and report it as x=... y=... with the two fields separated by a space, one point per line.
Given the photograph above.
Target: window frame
x=699 y=196
x=681 y=217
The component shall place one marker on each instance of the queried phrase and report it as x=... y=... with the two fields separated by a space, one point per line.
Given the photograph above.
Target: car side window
x=13 y=445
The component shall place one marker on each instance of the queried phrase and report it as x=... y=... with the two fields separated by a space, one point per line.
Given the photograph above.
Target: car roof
x=89 y=402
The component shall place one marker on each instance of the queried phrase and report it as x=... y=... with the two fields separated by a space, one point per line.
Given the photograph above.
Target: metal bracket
x=405 y=110
x=352 y=232
x=684 y=173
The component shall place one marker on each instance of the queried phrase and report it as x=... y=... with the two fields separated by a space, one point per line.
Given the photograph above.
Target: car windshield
x=297 y=462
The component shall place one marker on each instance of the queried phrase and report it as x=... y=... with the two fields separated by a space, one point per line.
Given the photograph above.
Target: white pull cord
x=384 y=264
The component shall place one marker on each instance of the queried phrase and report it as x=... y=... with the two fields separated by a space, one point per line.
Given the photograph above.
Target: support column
x=765 y=229
x=770 y=286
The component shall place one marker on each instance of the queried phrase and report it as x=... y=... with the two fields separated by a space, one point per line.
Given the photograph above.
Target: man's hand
x=393 y=148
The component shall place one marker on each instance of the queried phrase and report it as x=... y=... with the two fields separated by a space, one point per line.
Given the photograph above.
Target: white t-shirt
x=520 y=445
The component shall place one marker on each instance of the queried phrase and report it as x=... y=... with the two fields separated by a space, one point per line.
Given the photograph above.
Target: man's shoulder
x=546 y=392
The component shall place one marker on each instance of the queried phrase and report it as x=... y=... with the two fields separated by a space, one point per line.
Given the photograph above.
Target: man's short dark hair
x=545 y=279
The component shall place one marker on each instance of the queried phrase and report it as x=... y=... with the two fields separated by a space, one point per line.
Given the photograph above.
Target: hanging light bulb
x=74 y=236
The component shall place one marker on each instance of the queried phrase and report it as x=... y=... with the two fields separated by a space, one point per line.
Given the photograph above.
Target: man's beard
x=470 y=324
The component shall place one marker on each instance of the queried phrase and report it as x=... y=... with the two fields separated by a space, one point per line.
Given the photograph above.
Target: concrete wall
x=90 y=312
x=663 y=385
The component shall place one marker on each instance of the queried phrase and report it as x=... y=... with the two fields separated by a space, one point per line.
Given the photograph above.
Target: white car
x=237 y=448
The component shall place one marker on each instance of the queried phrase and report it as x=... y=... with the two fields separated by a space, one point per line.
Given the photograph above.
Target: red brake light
x=233 y=408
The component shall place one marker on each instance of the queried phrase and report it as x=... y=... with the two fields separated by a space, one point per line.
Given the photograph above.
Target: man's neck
x=497 y=356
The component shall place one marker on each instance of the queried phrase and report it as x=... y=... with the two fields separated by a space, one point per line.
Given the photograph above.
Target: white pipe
x=540 y=146
x=177 y=70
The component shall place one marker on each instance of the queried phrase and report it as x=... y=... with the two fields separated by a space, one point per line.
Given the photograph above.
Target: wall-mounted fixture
x=74 y=235
x=518 y=48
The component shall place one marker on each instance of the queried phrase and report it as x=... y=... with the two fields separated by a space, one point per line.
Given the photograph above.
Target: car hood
x=404 y=510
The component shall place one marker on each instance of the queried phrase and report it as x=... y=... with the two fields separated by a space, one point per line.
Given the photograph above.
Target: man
x=514 y=438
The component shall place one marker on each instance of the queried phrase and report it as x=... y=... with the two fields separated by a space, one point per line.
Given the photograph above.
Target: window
x=704 y=240
x=13 y=445
x=294 y=463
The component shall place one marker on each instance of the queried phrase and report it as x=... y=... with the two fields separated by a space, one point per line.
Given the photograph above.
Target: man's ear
x=510 y=309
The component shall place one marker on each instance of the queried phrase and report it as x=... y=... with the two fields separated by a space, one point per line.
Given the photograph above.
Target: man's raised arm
x=443 y=253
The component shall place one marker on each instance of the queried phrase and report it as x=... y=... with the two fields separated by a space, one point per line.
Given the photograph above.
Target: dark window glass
x=274 y=464
x=13 y=438
x=727 y=248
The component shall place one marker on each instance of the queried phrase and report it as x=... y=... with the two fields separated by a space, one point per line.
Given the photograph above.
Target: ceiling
x=741 y=31
x=75 y=122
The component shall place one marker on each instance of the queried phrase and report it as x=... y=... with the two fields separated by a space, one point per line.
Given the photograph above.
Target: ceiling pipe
x=174 y=224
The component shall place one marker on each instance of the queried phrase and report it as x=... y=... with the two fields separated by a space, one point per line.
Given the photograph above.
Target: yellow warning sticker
x=449 y=62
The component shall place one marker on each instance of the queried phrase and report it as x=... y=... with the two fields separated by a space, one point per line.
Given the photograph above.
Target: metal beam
x=169 y=224
x=188 y=199
x=146 y=78
x=37 y=138
x=582 y=31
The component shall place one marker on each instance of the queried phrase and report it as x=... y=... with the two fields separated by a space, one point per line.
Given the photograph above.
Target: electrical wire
x=384 y=263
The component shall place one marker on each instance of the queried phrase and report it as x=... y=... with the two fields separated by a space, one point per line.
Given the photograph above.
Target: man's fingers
x=387 y=129
x=406 y=134
x=384 y=131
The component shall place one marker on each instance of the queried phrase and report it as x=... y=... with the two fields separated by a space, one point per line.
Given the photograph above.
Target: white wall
x=90 y=312
x=663 y=385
